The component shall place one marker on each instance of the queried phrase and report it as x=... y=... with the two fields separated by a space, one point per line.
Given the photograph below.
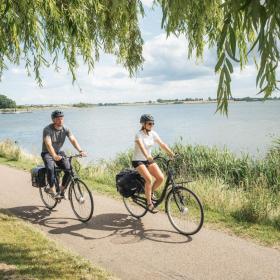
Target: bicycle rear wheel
x=136 y=204
x=81 y=200
x=47 y=199
x=184 y=210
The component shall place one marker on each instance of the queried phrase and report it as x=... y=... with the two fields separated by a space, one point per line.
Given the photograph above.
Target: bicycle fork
x=78 y=193
x=179 y=200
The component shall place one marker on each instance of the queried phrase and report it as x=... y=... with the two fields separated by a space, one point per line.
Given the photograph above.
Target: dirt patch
x=9 y=272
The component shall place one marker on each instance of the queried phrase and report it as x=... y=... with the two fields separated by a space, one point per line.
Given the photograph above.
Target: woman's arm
x=143 y=149
x=165 y=147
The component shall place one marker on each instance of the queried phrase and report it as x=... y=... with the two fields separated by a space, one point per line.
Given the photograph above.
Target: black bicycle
x=183 y=207
x=80 y=196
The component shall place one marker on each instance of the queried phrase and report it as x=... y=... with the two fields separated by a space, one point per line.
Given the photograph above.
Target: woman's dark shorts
x=136 y=163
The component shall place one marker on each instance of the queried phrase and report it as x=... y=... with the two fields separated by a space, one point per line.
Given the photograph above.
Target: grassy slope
x=31 y=255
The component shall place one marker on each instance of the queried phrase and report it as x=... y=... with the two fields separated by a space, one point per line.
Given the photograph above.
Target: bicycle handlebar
x=74 y=156
x=165 y=160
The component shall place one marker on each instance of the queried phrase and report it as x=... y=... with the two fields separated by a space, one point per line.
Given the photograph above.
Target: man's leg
x=50 y=165
x=65 y=165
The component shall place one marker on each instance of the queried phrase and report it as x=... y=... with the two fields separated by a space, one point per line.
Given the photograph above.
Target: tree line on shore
x=7 y=103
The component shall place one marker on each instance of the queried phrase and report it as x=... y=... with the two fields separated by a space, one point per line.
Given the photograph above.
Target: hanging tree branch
x=39 y=32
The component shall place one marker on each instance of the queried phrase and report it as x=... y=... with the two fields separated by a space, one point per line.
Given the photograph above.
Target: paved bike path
x=138 y=249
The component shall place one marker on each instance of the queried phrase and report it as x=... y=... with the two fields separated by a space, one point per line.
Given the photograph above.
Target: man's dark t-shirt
x=57 y=137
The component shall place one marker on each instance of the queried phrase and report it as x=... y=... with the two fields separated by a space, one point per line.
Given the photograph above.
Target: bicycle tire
x=133 y=207
x=48 y=200
x=176 y=204
x=76 y=195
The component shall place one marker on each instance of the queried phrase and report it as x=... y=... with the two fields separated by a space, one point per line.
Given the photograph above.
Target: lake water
x=105 y=131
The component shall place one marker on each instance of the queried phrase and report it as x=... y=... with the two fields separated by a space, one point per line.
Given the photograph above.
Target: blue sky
x=166 y=74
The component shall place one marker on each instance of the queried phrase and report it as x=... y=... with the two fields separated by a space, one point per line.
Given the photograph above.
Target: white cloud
x=166 y=60
x=167 y=74
x=148 y=3
x=18 y=70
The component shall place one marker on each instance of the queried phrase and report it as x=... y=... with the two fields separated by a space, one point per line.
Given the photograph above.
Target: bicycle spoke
x=184 y=211
x=47 y=199
x=81 y=201
x=136 y=204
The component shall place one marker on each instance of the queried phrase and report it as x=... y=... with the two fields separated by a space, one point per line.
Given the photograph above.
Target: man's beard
x=58 y=126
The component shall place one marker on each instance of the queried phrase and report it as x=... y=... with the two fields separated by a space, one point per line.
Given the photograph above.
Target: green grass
x=243 y=171
x=31 y=255
x=262 y=233
x=249 y=207
x=24 y=164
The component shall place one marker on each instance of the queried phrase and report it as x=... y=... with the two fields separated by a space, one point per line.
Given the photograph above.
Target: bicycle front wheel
x=81 y=200
x=136 y=204
x=184 y=210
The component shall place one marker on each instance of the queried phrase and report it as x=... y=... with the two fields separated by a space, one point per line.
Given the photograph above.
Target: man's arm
x=50 y=148
x=76 y=145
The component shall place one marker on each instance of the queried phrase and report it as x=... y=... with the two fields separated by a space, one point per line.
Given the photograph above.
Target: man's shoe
x=49 y=191
x=63 y=195
x=58 y=196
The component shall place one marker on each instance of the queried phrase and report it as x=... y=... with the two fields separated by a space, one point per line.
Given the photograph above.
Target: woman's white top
x=148 y=141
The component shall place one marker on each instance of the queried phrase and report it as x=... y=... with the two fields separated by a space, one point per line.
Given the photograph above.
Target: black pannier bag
x=38 y=177
x=128 y=181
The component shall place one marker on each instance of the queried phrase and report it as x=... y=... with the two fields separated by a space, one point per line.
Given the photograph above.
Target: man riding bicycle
x=53 y=139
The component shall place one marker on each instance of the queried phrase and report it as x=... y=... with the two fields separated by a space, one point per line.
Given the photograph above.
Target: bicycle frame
x=169 y=182
x=72 y=177
x=78 y=192
x=179 y=201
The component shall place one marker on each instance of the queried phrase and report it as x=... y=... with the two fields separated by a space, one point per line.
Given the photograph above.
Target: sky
x=167 y=74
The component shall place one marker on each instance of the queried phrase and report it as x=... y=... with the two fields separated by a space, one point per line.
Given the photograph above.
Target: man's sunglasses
x=150 y=123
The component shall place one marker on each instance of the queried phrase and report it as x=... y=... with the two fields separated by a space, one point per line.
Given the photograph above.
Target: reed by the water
x=242 y=188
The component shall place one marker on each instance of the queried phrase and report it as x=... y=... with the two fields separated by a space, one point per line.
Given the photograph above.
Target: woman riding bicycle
x=142 y=159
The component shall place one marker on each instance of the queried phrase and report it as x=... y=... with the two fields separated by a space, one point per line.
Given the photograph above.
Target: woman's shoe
x=151 y=208
x=154 y=198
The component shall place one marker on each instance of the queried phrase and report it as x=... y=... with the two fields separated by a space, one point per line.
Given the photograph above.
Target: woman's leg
x=157 y=173
x=144 y=172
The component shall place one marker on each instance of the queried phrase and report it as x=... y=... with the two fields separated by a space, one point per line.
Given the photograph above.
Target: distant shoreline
x=30 y=108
